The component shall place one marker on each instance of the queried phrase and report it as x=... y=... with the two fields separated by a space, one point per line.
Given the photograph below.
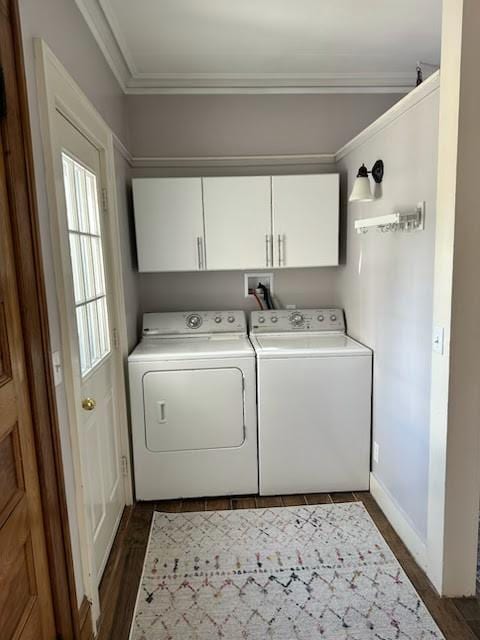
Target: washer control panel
x=193 y=323
x=283 y=320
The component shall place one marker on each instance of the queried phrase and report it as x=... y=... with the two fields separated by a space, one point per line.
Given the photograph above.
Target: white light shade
x=361 y=191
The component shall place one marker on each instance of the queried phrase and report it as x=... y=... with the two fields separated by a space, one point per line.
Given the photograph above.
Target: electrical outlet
x=376 y=452
x=251 y=281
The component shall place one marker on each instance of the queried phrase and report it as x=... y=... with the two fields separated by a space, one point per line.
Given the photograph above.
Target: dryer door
x=191 y=409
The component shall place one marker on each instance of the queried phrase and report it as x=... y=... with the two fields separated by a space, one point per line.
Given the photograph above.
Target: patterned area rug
x=296 y=573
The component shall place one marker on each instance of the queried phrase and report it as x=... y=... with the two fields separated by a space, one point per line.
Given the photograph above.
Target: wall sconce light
x=361 y=191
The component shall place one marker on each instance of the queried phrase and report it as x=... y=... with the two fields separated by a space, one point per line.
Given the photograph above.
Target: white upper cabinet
x=237 y=222
x=169 y=224
x=305 y=220
x=247 y=222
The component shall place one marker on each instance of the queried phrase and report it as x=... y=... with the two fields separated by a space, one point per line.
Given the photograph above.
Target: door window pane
x=83 y=342
x=97 y=256
x=81 y=198
x=70 y=193
x=77 y=268
x=88 y=270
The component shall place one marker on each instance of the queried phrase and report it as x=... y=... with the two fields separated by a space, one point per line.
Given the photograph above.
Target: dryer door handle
x=161 y=412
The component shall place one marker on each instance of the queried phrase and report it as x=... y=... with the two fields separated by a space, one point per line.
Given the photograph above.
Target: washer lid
x=307 y=345
x=217 y=346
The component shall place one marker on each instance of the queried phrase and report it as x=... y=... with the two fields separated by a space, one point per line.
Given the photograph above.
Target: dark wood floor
x=458 y=619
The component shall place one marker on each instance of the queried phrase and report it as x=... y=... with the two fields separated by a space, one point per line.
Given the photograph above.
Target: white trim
x=118 y=144
x=57 y=91
x=399 y=521
x=230 y=89
x=103 y=33
x=233 y=161
x=397 y=111
x=101 y=20
x=118 y=35
x=211 y=83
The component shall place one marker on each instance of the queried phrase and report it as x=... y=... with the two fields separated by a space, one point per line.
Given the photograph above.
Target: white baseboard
x=399 y=521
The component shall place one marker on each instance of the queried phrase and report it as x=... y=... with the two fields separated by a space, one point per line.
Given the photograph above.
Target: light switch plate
x=376 y=452
x=438 y=339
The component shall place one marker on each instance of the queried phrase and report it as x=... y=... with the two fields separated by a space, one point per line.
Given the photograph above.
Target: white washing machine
x=314 y=402
x=193 y=403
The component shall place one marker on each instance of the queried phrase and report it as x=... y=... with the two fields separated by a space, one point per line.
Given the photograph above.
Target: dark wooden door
x=26 y=611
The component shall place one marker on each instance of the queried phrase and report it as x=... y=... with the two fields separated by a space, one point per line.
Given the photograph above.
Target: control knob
x=297 y=319
x=231 y=319
x=218 y=319
x=274 y=319
x=320 y=318
x=333 y=317
x=261 y=319
x=194 y=321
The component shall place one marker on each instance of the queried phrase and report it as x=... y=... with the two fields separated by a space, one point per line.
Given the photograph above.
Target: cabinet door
x=305 y=220
x=237 y=222
x=169 y=224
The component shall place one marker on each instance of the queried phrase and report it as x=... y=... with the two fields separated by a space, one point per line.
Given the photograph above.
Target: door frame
x=16 y=133
x=57 y=91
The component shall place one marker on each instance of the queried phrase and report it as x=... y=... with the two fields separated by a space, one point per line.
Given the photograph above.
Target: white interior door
x=238 y=222
x=169 y=224
x=305 y=220
x=93 y=362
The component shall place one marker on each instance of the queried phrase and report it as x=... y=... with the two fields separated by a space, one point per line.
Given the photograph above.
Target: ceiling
x=205 y=46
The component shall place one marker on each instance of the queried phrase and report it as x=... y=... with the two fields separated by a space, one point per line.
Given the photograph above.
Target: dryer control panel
x=288 y=320
x=185 y=323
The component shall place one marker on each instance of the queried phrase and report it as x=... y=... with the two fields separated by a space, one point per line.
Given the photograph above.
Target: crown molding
x=122 y=149
x=198 y=162
x=101 y=20
x=210 y=83
x=98 y=23
x=431 y=84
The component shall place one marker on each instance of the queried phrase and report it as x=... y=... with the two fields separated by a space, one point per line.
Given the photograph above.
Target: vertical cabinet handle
x=200 y=252
x=281 y=250
x=268 y=239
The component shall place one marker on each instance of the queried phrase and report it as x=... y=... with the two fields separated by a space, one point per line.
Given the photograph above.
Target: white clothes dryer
x=314 y=402
x=193 y=404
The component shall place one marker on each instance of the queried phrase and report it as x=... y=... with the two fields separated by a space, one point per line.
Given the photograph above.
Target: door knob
x=88 y=404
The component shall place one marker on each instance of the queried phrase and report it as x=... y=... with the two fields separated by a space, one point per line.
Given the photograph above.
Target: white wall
x=455 y=398
x=61 y=25
x=386 y=288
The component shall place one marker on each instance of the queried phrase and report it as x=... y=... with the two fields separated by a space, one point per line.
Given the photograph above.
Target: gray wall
x=225 y=289
x=386 y=288
x=232 y=125
x=62 y=26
